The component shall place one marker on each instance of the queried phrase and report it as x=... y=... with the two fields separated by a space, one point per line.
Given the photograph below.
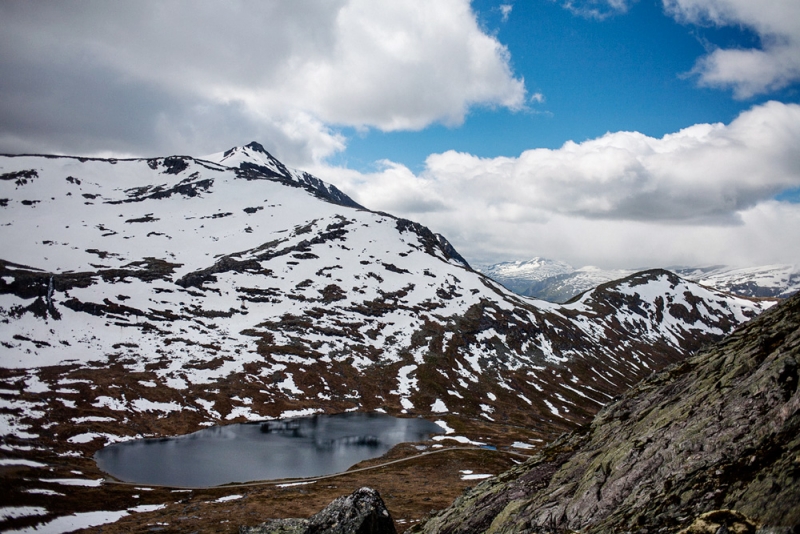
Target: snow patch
x=445 y=427
x=439 y=407
x=89 y=483
x=468 y=474
x=35 y=385
x=460 y=439
x=144 y=405
x=20 y=461
x=291 y=484
x=110 y=403
x=15 y=512
x=81 y=520
x=228 y=498
x=84 y=438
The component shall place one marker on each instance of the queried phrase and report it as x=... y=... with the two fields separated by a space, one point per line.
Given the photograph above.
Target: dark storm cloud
x=70 y=108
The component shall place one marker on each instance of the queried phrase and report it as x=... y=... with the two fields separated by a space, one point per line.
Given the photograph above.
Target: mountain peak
x=252 y=153
x=257 y=147
x=254 y=162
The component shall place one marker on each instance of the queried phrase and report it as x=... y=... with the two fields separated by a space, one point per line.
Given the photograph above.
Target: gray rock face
x=717 y=432
x=362 y=512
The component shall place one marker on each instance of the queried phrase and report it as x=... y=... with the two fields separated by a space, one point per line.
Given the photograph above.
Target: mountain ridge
x=319 y=290
x=557 y=281
x=154 y=297
x=768 y=281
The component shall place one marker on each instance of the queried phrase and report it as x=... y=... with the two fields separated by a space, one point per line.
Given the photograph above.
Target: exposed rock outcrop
x=719 y=432
x=361 y=512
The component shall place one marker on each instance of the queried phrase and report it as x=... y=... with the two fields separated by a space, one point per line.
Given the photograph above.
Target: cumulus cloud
x=284 y=71
x=747 y=71
x=598 y=197
x=764 y=236
x=537 y=98
x=393 y=187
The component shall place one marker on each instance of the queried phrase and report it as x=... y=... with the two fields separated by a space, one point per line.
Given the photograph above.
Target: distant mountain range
x=556 y=281
x=778 y=281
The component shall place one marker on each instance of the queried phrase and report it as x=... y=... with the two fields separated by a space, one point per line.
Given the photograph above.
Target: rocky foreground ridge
x=717 y=432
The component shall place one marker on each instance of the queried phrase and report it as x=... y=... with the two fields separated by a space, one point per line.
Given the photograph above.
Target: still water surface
x=289 y=448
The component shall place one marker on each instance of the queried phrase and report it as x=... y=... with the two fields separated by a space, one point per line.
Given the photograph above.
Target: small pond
x=289 y=448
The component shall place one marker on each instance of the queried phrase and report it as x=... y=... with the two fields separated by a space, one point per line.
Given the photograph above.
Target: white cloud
x=764 y=236
x=598 y=9
x=505 y=11
x=286 y=70
x=392 y=188
x=623 y=199
x=747 y=71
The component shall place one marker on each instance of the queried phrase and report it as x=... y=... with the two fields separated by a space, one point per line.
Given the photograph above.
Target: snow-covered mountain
x=551 y=280
x=556 y=281
x=157 y=296
x=781 y=281
x=518 y=276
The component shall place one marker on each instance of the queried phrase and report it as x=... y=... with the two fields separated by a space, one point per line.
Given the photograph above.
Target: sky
x=615 y=133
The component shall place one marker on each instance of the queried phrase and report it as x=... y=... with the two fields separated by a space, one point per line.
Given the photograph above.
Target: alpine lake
x=294 y=448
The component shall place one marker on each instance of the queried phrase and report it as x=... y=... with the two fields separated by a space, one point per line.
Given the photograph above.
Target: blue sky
x=628 y=71
x=616 y=133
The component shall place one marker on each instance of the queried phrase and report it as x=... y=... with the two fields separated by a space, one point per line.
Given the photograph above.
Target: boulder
x=361 y=512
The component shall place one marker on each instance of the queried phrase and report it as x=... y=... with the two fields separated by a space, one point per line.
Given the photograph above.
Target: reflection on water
x=290 y=448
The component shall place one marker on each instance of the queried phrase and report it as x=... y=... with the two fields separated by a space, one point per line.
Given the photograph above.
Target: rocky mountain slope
x=185 y=290
x=717 y=432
